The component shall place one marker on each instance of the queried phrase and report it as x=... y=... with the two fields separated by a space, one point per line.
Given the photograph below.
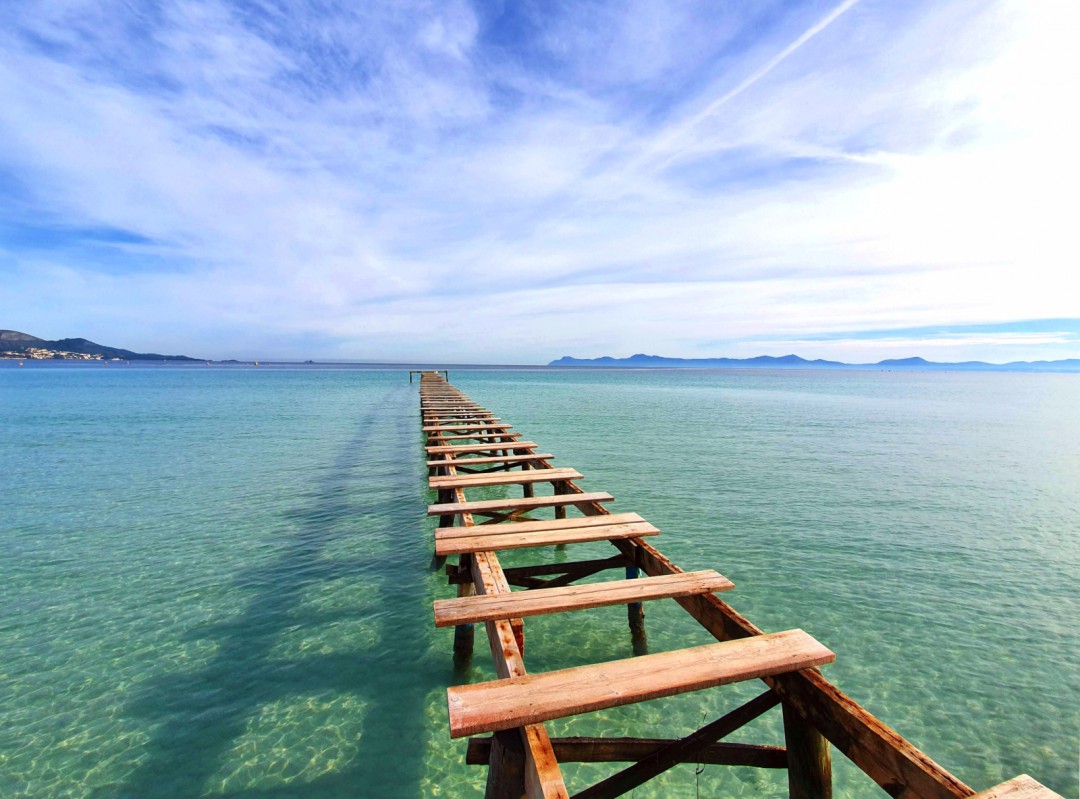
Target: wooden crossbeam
x=474 y=609
x=588 y=749
x=533 y=698
x=483 y=507
x=535 y=456
x=440 y=449
x=526 y=576
x=479 y=435
x=503 y=540
x=503 y=478
x=677 y=751
x=458 y=428
x=469 y=419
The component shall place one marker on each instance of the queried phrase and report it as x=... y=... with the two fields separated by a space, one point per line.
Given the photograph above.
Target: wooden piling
x=464 y=634
x=506 y=767
x=635 y=611
x=808 y=757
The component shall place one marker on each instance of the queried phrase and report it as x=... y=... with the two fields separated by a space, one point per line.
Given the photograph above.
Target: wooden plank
x=511 y=528
x=440 y=428
x=536 y=456
x=441 y=449
x=504 y=704
x=474 y=420
x=1022 y=787
x=587 y=749
x=541 y=538
x=479 y=435
x=503 y=478
x=474 y=609
x=519 y=503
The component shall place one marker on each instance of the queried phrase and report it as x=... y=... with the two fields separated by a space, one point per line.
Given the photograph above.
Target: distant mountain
x=795 y=362
x=14 y=341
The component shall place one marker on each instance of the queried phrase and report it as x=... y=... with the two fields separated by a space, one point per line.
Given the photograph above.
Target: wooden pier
x=469 y=448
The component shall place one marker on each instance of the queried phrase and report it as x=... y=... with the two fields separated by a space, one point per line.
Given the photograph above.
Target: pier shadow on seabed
x=369 y=688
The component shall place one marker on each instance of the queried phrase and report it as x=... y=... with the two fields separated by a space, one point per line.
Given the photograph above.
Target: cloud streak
x=296 y=179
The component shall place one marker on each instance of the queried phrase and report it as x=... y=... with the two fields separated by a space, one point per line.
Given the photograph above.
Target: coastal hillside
x=14 y=344
x=795 y=362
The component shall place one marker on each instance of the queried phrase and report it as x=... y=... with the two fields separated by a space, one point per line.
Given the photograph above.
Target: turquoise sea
x=216 y=581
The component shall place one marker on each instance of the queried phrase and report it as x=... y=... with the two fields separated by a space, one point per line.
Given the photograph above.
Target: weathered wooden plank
x=519 y=503
x=503 y=478
x=471 y=610
x=587 y=749
x=468 y=419
x=440 y=449
x=511 y=528
x=539 y=538
x=504 y=704
x=537 y=456
x=1022 y=787
x=451 y=428
x=479 y=435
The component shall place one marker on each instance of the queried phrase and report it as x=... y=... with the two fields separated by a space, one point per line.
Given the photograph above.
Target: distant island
x=14 y=344
x=795 y=362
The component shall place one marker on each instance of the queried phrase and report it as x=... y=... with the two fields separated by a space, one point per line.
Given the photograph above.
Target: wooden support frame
x=815 y=710
x=679 y=751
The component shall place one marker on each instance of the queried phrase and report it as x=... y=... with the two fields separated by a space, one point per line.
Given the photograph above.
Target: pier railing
x=469 y=448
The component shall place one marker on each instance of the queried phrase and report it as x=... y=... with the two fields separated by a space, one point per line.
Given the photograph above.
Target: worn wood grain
x=520 y=503
x=502 y=478
x=539 y=538
x=1022 y=787
x=470 y=610
x=512 y=702
x=511 y=528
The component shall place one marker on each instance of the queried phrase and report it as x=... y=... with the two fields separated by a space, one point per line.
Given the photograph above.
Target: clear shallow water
x=216 y=582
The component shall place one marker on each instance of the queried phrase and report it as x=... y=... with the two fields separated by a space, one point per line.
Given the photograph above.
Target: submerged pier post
x=635 y=612
x=464 y=634
x=809 y=759
x=506 y=766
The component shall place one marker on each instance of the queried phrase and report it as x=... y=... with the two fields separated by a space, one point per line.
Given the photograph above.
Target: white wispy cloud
x=597 y=180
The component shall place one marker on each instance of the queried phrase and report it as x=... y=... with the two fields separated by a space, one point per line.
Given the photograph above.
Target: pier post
x=809 y=759
x=635 y=612
x=464 y=634
x=506 y=766
x=561 y=488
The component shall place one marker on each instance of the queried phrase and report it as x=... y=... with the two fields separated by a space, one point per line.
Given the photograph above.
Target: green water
x=216 y=582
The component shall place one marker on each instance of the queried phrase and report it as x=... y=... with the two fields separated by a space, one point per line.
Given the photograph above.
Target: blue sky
x=512 y=182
